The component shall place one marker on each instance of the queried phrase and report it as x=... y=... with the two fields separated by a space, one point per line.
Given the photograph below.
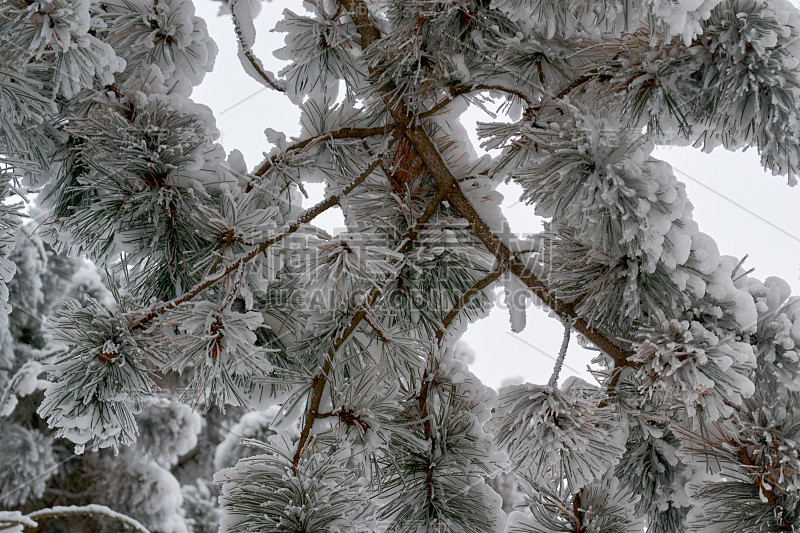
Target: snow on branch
x=30 y=521
x=246 y=36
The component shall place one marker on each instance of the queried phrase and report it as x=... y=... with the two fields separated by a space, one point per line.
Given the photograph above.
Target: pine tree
x=336 y=355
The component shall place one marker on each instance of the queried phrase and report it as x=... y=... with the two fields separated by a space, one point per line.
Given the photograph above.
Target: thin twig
x=562 y=354
x=88 y=510
x=344 y=133
x=502 y=89
x=467 y=297
x=268 y=78
x=455 y=93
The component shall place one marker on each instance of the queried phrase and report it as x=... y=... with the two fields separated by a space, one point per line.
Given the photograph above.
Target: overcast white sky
x=744 y=209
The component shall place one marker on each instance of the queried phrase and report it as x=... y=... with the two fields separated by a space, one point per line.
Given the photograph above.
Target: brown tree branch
x=767 y=488
x=577 y=512
x=86 y=510
x=565 y=91
x=455 y=93
x=445 y=181
x=565 y=310
x=507 y=90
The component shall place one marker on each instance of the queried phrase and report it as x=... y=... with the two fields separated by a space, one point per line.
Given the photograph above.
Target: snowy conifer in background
x=223 y=312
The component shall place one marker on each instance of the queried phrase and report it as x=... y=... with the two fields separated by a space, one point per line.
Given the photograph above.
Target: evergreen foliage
x=223 y=312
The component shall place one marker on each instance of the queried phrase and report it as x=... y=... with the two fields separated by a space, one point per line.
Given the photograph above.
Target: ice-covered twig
x=562 y=354
x=480 y=285
x=464 y=91
x=299 y=146
x=14 y=518
x=246 y=34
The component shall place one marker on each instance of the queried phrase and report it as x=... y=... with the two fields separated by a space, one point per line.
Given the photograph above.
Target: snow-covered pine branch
x=334 y=356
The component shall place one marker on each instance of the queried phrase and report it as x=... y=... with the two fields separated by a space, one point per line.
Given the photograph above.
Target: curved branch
x=246 y=49
x=443 y=103
x=467 y=297
x=507 y=90
x=344 y=133
x=577 y=83
x=86 y=510
x=565 y=91
x=455 y=93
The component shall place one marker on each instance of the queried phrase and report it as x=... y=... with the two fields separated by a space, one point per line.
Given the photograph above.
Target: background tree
x=221 y=293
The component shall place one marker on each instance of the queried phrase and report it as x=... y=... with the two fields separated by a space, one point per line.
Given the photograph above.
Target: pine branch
x=507 y=90
x=577 y=510
x=422 y=396
x=456 y=92
x=376 y=326
x=303 y=219
x=14 y=518
x=447 y=183
x=562 y=354
x=568 y=89
x=580 y=82
x=422 y=406
x=445 y=102
x=766 y=488
x=496 y=246
x=611 y=385
x=320 y=379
